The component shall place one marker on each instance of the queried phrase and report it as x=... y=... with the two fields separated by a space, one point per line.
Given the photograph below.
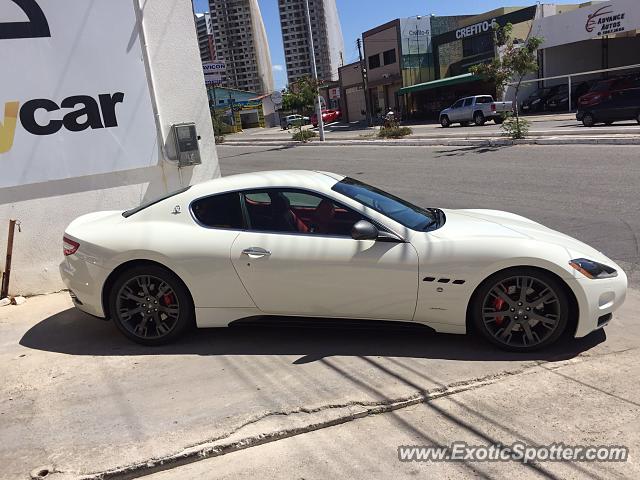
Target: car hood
x=496 y=223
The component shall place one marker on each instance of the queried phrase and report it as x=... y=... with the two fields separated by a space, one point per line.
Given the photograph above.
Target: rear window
x=484 y=100
x=219 y=211
x=142 y=206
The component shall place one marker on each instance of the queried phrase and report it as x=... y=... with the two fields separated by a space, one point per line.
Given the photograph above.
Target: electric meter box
x=186 y=144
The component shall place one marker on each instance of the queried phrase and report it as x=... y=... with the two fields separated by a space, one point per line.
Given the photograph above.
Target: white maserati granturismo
x=317 y=244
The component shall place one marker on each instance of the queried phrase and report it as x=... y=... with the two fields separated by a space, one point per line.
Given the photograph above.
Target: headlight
x=591 y=269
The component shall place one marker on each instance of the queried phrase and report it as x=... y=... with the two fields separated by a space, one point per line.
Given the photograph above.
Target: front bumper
x=84 y=279
x=597 y=300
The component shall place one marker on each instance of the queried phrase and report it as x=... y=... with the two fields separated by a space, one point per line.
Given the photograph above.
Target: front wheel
x=521 y=309
x=444 y=121
x=588 y=120
x=150 y=305
x=478 y=118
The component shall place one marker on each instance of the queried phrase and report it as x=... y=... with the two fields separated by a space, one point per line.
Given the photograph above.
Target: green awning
x=443 y=82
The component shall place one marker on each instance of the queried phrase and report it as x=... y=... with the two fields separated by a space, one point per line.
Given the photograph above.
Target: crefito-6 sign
x=74 y=97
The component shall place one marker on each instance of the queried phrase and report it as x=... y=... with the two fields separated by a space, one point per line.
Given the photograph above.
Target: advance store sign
x=74 y=97
x=592 y=22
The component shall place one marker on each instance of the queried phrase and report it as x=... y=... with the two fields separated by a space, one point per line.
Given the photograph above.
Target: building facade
x=241 y=42
x=382 y=59
x=327 y=38
x=204 y=30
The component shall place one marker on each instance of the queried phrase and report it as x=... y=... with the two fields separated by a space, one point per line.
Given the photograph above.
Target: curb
x=480 y=142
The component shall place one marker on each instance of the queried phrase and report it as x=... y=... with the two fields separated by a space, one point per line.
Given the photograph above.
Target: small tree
x=301 y=97
x=514 y=61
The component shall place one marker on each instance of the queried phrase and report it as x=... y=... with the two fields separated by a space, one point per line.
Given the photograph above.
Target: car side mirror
x=363 y=230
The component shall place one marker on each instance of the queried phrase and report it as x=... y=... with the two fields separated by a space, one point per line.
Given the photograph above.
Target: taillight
x=493 y=107
x=69 y=247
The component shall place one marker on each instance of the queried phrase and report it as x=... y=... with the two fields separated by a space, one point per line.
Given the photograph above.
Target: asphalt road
x=586 y=191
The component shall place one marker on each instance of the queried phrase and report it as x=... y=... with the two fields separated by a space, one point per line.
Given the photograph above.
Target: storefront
x=592 y=37
x=352 y=101
x=469 y=43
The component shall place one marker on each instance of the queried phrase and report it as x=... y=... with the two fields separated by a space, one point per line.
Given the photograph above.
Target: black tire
x=478 y=119
x=521 y=328
x=179 y=303
x=498 y=120
x=444 y=121
x=588 y=120
x=464 y=124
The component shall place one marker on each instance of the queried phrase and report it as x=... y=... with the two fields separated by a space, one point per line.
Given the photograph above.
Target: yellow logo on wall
x=8 y=126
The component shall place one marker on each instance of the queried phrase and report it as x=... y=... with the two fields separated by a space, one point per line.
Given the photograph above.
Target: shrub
x=394 y=132
x=514 y=127
x=304 y=135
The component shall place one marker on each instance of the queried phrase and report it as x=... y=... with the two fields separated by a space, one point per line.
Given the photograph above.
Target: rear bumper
x=84 y=279
x=598 y=300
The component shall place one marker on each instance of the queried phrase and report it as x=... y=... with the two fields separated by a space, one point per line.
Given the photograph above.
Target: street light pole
x=314 y=71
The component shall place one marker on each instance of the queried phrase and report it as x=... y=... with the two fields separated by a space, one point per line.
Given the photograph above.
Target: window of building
x=374 y=61
x=389 y=56
x=219 y=211
x=477 y=45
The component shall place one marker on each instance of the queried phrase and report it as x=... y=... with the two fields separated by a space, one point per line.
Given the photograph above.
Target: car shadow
x=75 y=333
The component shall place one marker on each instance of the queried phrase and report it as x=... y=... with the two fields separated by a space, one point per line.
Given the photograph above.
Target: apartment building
x=241 y=42
x=327 y=38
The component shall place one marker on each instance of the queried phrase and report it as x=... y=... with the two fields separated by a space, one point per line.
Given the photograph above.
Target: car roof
x=314 y=180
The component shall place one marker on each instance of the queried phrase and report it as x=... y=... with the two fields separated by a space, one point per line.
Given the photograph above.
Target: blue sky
x=356 y=16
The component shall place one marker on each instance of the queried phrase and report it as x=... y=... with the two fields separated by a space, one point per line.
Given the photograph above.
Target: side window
x=277 y=210
x=468 y=102
x=219 y=211
x=458 y=104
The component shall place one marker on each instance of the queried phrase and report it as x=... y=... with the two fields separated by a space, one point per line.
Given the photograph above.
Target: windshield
x=401 y=211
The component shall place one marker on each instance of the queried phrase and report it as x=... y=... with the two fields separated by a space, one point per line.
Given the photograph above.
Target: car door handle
x=256 y=252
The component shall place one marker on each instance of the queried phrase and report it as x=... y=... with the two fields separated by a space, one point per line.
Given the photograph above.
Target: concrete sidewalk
x=545 y=129
x=78 y=399
x=579 y=402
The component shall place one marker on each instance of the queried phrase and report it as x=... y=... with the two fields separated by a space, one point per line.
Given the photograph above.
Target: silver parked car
x=477 y=109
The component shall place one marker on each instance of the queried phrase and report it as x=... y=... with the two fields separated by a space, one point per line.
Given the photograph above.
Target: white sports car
x=317 y=244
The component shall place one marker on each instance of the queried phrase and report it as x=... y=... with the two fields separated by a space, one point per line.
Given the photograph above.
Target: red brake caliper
x=498 y=303
x=167 y=298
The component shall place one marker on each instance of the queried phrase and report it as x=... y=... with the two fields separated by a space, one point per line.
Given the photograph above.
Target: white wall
x=44 y=209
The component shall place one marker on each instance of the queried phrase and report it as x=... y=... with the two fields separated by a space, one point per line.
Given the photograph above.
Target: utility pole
x=314 y=71
x=365 y=83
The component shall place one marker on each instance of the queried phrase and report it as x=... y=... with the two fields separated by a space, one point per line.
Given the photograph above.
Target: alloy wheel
x=147 y=307
x=521 y=311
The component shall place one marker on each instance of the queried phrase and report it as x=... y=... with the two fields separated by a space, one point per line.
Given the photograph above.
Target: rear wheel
x=444 y=121
x=478 y=118
x=521 y=309
x=150 y=305
x=588 y=120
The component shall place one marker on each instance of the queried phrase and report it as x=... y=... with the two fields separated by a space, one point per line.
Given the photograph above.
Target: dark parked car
x=609 y=101
x=536 y=101
x=560 y=101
